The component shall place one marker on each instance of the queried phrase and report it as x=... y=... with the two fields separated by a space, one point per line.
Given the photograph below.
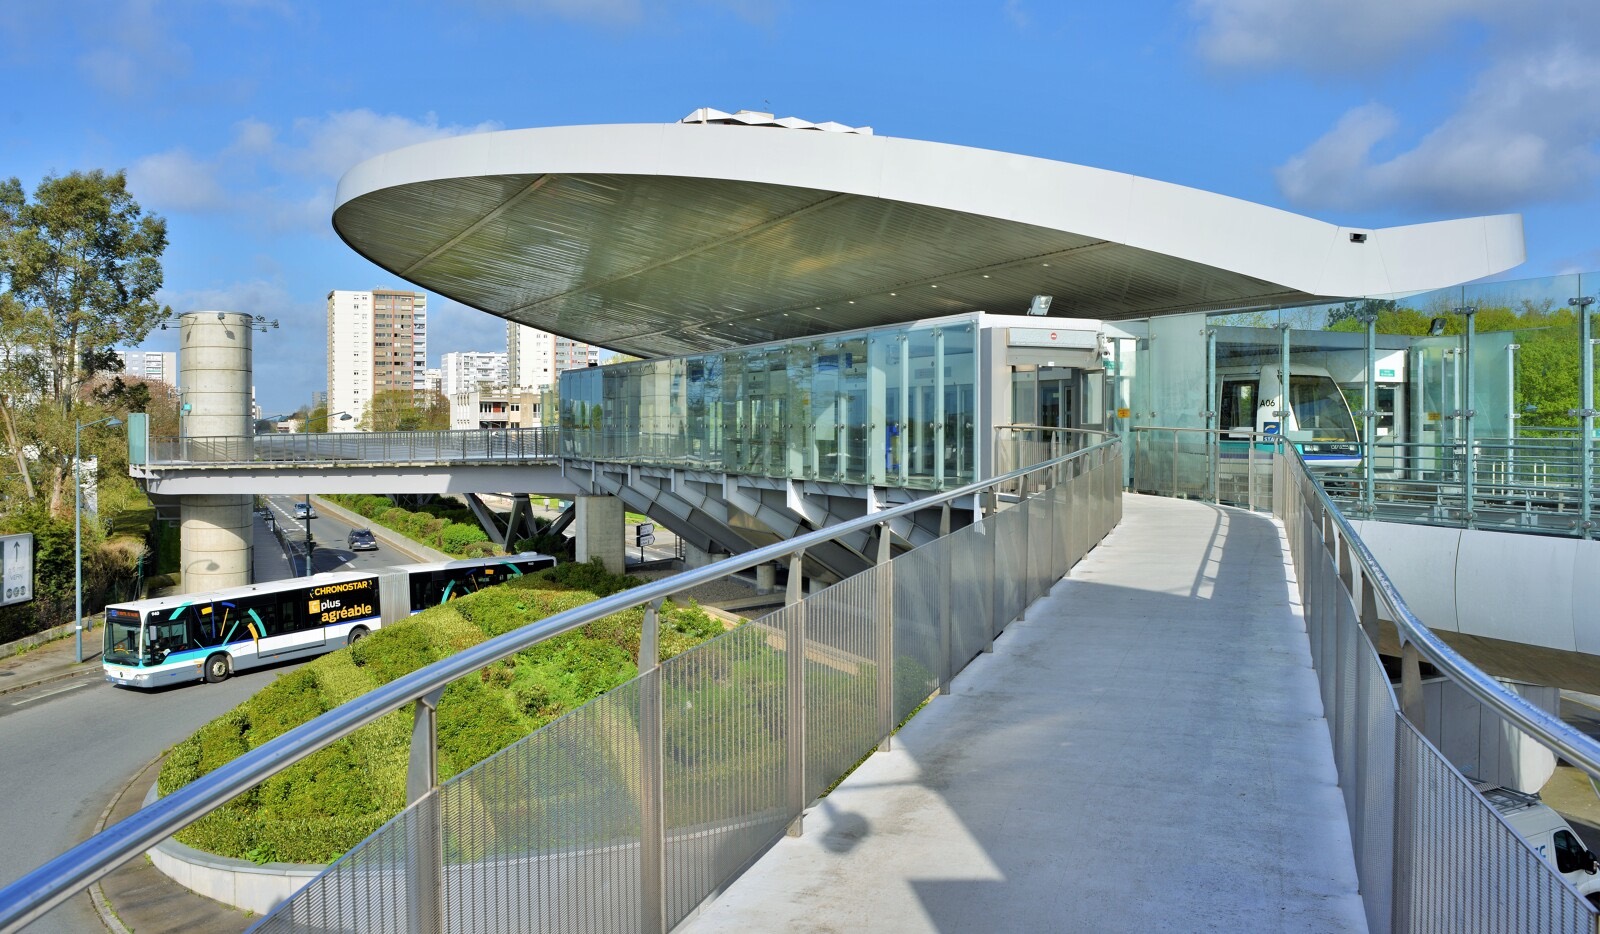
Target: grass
x=322 y=806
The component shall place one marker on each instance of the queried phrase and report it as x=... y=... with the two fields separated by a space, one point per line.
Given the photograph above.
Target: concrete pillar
x=695 y=558
x=214 y=366
x=599 y=525
x=216 y=536
x=766 y=578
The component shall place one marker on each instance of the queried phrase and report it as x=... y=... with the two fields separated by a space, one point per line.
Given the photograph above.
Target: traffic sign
x=16 y=568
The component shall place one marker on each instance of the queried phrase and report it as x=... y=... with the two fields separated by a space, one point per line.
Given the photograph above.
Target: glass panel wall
x=891 y=406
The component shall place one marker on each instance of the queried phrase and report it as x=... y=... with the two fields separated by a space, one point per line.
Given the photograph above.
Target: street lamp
x=77 y=516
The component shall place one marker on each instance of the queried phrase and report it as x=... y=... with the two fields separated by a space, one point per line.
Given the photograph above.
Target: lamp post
x=340 y=416
x=77 y=519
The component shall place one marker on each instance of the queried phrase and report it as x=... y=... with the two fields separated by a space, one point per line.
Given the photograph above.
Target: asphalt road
x=330 y=535
x=68 y=746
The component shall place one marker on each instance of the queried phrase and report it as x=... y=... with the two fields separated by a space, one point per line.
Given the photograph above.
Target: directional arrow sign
x=16 y=568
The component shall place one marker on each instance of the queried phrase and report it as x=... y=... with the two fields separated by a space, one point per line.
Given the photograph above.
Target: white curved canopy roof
x=659 y=239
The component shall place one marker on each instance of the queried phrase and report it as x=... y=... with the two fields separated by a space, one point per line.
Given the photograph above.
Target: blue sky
x=235 y=118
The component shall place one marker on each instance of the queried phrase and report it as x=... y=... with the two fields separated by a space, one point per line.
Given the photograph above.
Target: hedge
x=322 y=806
x=445 y=526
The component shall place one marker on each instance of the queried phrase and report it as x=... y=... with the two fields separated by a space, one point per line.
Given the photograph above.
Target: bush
x=322 y=806
x=456 y=537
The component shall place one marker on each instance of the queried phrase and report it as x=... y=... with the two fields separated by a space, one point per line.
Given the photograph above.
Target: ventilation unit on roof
x=708 y=115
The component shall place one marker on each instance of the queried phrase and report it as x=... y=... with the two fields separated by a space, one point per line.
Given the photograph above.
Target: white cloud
x=328 y=146
x=1326 y=34
x=630 y=12
x=281 y=180
x=130 y=48
x=1527 y=132
x=614 y=12
x=177 y=181
x=1018 y=15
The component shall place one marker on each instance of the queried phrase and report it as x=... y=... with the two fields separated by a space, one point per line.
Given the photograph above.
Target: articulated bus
x=1317 y=419
x=209 y=636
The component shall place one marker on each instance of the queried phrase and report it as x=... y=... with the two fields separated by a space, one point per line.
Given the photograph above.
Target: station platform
x=1145 y=751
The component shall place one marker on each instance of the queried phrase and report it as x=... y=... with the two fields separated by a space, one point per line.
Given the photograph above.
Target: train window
x=1239 y=404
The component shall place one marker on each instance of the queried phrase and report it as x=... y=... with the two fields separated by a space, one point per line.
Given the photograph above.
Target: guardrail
x=1529 y=484
x=627 y=813
x=1431 y=853
x=356 y=447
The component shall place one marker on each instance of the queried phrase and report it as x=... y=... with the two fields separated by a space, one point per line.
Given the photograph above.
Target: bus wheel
x=356 y=634
x=217 y=668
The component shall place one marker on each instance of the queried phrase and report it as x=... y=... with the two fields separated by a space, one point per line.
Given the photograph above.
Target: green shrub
x=456 y=537
x=317 y=809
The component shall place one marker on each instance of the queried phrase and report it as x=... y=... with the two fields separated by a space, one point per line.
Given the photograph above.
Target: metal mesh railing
x=356 y=448
x=553 y=833
x=1431 y=853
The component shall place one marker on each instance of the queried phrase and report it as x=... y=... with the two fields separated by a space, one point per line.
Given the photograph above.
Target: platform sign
x=16 y=568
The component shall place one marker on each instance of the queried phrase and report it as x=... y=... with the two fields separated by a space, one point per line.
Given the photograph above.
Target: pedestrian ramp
x=1146 y=750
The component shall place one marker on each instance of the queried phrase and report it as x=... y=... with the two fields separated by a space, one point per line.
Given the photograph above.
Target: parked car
x=1550 y=836
x=362 y=540
x=303 y=510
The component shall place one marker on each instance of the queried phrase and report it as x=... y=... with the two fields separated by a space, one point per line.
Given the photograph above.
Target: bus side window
x=207 y=630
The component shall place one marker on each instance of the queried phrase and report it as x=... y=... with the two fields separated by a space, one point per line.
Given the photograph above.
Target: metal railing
x=627 y=813
x=1526 y=485
x=357 y=447
x=1431 y=853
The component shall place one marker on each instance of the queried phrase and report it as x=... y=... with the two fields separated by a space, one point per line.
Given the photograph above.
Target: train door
x=1241 y=398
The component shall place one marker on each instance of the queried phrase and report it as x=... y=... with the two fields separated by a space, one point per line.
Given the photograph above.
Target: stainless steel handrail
x=1544 y=727
x=42 y=889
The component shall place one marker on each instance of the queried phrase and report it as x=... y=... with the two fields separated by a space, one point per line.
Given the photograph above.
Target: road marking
x=64 y=690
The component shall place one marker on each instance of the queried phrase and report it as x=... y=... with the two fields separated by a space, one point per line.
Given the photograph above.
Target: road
x=330 y=534
x=70 y=745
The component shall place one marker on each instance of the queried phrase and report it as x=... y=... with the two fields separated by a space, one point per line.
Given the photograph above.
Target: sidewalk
x=51 y=661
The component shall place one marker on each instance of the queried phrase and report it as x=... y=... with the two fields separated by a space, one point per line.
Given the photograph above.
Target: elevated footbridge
x=1132 y=709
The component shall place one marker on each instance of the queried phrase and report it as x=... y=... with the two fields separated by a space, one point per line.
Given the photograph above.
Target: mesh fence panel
x=971 y=595
x=725 y=757
x=1011 y=561
x=1461 y=868
x=841 y=678
x=918 y=655
x=547 y=834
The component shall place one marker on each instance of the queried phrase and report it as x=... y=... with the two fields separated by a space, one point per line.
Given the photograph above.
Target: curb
x=97 y=895
x=13 y=688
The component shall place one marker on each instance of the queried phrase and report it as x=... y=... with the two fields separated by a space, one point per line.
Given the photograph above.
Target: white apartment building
x=159 y=366
x=377 y=340
x=535 y=358
x=433 y=379
x=466 y=370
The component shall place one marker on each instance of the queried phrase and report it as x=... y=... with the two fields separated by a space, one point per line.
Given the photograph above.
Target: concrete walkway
x=1146 y=751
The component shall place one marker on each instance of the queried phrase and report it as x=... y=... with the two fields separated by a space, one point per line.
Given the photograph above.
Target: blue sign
x=1271 y=428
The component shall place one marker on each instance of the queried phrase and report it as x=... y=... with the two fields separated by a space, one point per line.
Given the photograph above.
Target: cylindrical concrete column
x=215 y=542
x=215 y=375
x=214 y=368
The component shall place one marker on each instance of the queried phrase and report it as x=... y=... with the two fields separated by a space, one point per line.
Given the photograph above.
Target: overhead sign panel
x=16 y=568
x=1055 y=337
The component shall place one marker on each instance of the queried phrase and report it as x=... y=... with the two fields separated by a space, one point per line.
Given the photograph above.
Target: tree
x=406 y=410
x=80 y=265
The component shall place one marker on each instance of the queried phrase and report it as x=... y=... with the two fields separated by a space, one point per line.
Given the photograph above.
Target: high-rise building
x=159 y=366
x=433 y=379
x=466 y=370
x=377 y=341
x=535 y=358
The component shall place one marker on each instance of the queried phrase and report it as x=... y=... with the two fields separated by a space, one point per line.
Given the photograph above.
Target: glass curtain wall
x=890 y=406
